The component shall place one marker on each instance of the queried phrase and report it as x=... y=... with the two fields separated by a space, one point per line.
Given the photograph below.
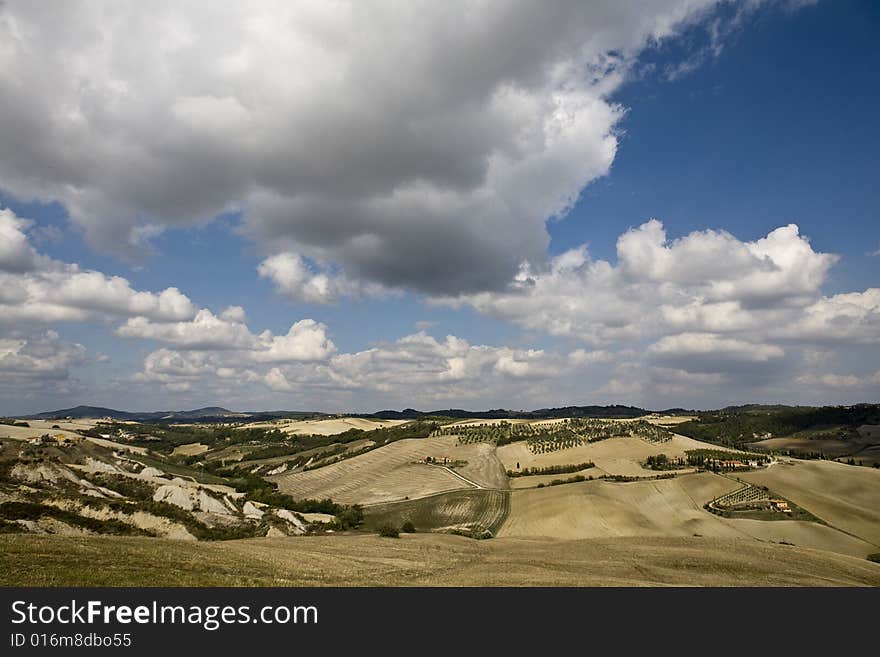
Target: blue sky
x=429 y=249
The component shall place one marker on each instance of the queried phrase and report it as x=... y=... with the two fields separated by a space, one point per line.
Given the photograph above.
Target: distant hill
x=494 y=414
x=99 y=411
x=208 y=411
x=735 y=425
x=81 y=412
x=206 y=414
x=220 y=414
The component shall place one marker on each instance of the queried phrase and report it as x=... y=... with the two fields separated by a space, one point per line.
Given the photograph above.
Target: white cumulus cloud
x=356 y=133
x=38 y=289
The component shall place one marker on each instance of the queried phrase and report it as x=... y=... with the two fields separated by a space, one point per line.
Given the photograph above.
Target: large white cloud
x=425 y=369
x=672 y=323
x=848 y=318
x=16 y=252
x=205 y=331
x=704 y=316
x=416 y=369
x=781 y=267
x=306 y=340
x=41 y=356
x=360 y=134
x=375 y=147
x=38 y=289
x=705 y=282
x=696 y=352
x=297 y=280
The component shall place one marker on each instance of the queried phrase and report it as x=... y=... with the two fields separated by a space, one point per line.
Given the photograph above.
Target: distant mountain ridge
x=221 y=414
x=613 y=411
x=99 y=411
x=218 y=413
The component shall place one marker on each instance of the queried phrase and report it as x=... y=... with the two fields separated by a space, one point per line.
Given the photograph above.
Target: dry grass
x=668 y=507
x=859 y=450
x=421 y=560
x=616 y=456
x=461 y=509
x=110 y=444
x=845 y=496
x=36 y=429
x=483 y=466
x=39 y=427
x=381 y=475
x=329 y=427
x=669 y=420
x=190 y=449
x=602 y=509
x=532 y=481
x=477 y=422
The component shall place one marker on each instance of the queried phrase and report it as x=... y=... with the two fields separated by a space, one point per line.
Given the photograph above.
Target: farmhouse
x=67 y=441
x=724 y=464
x=780 y=505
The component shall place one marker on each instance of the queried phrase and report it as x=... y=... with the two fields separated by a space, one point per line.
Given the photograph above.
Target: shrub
x=127 y=486
x=476 y=533
x=7 y=527
x=35 y=511
x=550 y=470
x=389 y=531
x=350 y=516
x=408 y=528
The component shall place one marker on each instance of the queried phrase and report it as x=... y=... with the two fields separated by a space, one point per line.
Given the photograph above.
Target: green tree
x=389 y=531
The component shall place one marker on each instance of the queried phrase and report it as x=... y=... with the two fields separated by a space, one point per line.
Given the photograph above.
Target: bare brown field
x=483 y=466
x=463 y=510
x=381 y=475
x=358 y=445
x=39 y=428
x=547 y=423
x=352 y=447
x=669 y=420
x=668 y=507
x=35 y=430
x=804 y=534
x=390 y=472
x=859 y=450
x=403 y=482
x=421 y=560
x=190 y=449
x=329 y=427
x=845 y=496
x=103 y=442
x=870 y=454
x=532 y=481
x=318 y=517
x=79 y=424
x=468 y=423
x=602 y=509
x=616 y=456
x=831 y=448
x=233 y=453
